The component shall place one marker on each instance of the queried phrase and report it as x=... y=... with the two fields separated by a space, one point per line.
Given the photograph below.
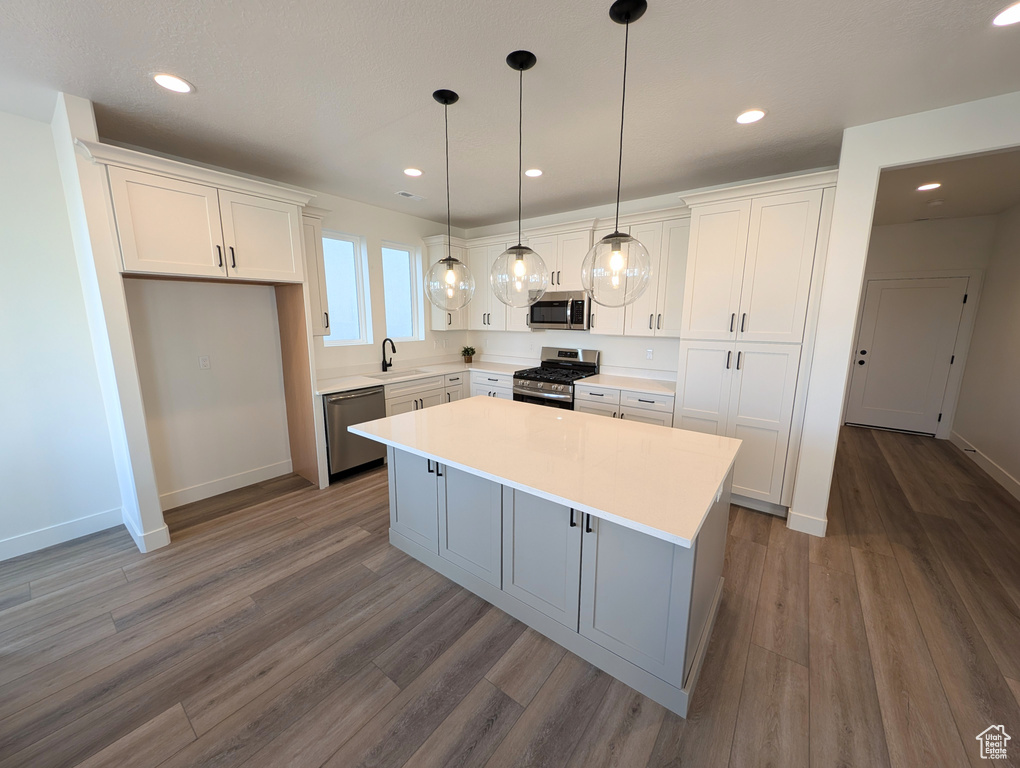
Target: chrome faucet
x=387 y=364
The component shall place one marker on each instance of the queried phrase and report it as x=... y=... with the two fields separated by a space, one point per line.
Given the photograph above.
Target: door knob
x=860 y=362
x=864 y=351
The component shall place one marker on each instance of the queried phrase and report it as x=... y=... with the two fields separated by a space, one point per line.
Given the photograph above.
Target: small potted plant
x=468 y=353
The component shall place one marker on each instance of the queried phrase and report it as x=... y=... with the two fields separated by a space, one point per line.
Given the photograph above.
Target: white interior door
x=904 y=352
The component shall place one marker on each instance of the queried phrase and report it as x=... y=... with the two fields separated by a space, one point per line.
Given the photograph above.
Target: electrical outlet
x=648 y=354
x=203 y=363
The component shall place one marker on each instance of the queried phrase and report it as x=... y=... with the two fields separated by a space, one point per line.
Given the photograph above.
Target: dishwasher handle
x=331 y=399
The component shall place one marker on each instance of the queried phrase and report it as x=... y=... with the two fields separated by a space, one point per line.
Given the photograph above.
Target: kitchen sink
x=393 y=374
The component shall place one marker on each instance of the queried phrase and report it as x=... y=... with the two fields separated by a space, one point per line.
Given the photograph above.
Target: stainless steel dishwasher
x=347 y=451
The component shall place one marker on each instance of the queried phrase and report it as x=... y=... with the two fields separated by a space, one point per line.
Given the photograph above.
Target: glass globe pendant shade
x=519 y=277
x=449 y=284
x=616 y=271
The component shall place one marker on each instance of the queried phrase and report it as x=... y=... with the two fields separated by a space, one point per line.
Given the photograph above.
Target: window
x=403 y=290
x=350 y=309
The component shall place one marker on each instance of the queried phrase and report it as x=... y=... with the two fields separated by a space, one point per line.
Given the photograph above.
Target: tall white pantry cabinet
x=753 y=274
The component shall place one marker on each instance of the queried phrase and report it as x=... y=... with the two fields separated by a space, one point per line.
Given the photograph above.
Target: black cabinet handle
x=428 y=463
x=729 y=356
x=743 y=322
x=860 y=362
x=864 y=351
x=233 y=261
x=326 y=315
x=573 y=522
x=597 y=394
x=646 y=401
x=658 y=323
x=587 y=524
x=650 y=318
x=733 y=319
x=438 y=473
x=739 y=355
x=219 y=255
x=449 y=319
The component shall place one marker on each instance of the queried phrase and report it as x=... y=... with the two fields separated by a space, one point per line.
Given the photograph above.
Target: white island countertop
x=653 y=479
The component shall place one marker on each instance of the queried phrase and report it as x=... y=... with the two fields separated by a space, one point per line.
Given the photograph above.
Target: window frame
x=363 y=289
x=417 y=288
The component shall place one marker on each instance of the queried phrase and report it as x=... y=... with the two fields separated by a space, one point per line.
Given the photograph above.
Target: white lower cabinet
x=455 y=385
x=484 y=384
x=414 y=503
x=742 y=390
x=542 y=555
x=471 y=523
x=633 y=600
x=414 y=395
x=624 y=404
x=630 y=413
x=599 y=409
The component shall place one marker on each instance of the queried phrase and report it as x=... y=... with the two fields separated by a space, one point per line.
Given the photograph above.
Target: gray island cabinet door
x=635 y=597
x=542 y=555
x=415 y=511
x=470 y=523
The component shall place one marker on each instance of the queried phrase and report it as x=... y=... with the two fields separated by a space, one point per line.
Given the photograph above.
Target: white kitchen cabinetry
x=542 y=555
x=414 y=507
x=749 y=268
x=315 y=269
x=563 y=255
x=455 y=385
x=167 y=226
x=642 y=312
x=624 y=404
x=486 y=384
x=485 y=311
x=441 y=320
x=471 y=523
x=415 y=395
x=262 y=238
x=607 y=321
x=174 y=227
x=676 y=236
x=743 y=390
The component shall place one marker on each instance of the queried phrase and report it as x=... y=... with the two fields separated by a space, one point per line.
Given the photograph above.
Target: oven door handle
x=543 y=395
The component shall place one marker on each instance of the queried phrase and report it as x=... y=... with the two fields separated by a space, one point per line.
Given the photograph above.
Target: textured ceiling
x=336 y=96
x=978 y=185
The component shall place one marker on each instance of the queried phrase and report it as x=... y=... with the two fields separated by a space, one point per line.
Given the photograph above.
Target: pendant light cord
x=520 y=155
x=449 y=228
x=623 y=110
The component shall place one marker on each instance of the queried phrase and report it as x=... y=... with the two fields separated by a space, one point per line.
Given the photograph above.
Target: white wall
x=988 y=414
x=57 y=476
x=376 y=225
x=213 y=430
x=940 y=244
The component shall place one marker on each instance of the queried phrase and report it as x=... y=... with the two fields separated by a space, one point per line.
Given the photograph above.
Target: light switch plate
x=203 y=363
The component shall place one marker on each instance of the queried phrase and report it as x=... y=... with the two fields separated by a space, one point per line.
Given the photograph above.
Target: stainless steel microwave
x=563 y=310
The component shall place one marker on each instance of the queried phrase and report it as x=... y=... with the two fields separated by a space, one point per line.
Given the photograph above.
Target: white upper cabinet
x=563 y=255
x=485 y=311
x=749 y=268
x=315 y=270
x=442 y=320
x=676 y=236
x=607 y=321
x=777 y=269
x=173 y=226
x=715 y=267
x=167 y=226
x=262 y=238
x=641 y=315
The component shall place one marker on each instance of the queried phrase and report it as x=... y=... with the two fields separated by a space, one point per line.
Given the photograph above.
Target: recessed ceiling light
x=1008 y=16
x=173 y=83
x=929 y=187
x=750 y=116
x=412 y=172
x=533 y=173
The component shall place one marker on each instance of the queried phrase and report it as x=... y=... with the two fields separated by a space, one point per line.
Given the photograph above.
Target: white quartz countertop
x=329 y=386
x=633 y=383
x=652 y=479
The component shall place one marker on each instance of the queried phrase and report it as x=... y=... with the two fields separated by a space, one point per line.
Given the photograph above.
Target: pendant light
x=449 y=283
x=519 y=276
x=617 y=269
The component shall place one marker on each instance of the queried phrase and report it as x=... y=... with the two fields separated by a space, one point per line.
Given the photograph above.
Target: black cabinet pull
x=428 y=463
x=729 y=356
x=438 y=473
x=658 y=322
x=326 y=315
x=646 y=401
x=743 y=322
x=739 y=355
x=587 y=524
x=573 y=522
x=219 y=255
x=733 y=319
x=449 y=319
x=597 y=394
x=233 y=261
x=650 y=317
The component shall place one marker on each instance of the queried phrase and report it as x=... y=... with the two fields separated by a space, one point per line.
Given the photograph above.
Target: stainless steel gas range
x=552 y=383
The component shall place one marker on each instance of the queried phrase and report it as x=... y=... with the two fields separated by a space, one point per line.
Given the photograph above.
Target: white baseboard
x=201 y=491
x=147 y=542
x=58 y=534
x=1000 y=475
x=806 y=523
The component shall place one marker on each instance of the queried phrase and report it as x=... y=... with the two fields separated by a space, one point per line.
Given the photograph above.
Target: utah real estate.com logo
x=993 y=742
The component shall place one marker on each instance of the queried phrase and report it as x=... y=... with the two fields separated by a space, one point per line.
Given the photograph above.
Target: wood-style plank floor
x=280 y=629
